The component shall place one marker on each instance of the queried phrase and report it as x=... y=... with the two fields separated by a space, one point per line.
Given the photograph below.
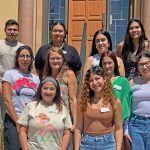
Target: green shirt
x=123 y=92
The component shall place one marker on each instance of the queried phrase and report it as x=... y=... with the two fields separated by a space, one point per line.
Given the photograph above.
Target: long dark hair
x=105 y=33
x=128 y=46
x=114 y=58
x=25 y=47
x=57 y=98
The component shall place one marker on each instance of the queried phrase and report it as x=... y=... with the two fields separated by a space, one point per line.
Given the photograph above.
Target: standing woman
x=99 y=120
x=58 y=35
x=139 y=127
x=19 y=88
x=56 y=67
x=101 y=43
x=45 y=123
x=122 y=90
x=135 y=41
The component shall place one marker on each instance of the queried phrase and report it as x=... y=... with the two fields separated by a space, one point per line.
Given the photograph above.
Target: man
x=8 y=47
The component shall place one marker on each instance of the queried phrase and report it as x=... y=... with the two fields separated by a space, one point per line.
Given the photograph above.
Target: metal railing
x=82 y=54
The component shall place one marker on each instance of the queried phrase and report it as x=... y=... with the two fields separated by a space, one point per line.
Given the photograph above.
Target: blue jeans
x=101 y=142
x=10 y=134
x=139 y=129
x=71 y=144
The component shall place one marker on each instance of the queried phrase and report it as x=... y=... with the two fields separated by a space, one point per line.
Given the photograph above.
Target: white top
x=24 y=88
x=45 y=125
x=96 y=60
x=7 y=55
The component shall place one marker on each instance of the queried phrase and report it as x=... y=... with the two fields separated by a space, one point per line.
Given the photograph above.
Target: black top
x=72 y=57
x=131 y=68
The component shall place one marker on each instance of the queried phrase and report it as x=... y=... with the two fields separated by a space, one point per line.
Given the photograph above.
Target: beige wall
x=33 y=20
x=145 y=15
x=41 y=23
x=8 y=10
x=141 y=10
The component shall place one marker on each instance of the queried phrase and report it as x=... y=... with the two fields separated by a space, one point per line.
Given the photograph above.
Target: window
x=57 y=11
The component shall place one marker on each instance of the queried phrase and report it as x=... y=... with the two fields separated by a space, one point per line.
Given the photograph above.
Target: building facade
x=85 y=16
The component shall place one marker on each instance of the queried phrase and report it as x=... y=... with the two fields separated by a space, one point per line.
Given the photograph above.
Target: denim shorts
x=139 y=130
x=100 y=142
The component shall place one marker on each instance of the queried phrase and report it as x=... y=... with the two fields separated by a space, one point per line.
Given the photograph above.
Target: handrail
x=82 y=54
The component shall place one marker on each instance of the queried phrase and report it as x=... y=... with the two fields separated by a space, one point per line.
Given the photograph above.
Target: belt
x=140 y=117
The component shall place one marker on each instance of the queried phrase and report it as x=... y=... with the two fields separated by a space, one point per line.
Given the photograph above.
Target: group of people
x=42 y=110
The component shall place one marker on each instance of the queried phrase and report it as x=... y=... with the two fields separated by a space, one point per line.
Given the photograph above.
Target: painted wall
x=8 y=10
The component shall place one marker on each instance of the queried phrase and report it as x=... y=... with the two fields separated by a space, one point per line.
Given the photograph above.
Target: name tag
x=117 y=87
x=105 y=109
x=65 y=52
x=53 y=111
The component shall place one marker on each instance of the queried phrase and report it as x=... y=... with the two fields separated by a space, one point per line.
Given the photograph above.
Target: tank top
x=64 y=88
x=131 y=67
x=96 y=60
x=97 y=122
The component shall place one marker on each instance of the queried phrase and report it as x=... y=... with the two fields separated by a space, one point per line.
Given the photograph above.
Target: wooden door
x=93 y=12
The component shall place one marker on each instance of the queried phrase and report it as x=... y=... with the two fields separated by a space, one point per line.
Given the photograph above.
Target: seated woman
x=122 y=90
x=99 y=116
x=101 y=43
x=139 y=126
x=45 y=123
x=19 y=88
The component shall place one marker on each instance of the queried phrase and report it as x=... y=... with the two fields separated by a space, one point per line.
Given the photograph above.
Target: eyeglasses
x=24 y=56
x=146 y=64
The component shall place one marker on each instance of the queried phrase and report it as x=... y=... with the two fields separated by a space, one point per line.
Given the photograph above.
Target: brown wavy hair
x=87 y=94
x=47 y=67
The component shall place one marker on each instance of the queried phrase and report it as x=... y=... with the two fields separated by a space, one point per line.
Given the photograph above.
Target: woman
x=122 y=90
x=101 y=43
x=56 y=66
x=45 y=123
x=19 y=88
x=135 y=41
x=139 y=127
x=99 y=114
x=58 y=34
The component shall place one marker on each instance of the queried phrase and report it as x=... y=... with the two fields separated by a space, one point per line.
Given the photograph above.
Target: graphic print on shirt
x=45 y=128
x=25 y=86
